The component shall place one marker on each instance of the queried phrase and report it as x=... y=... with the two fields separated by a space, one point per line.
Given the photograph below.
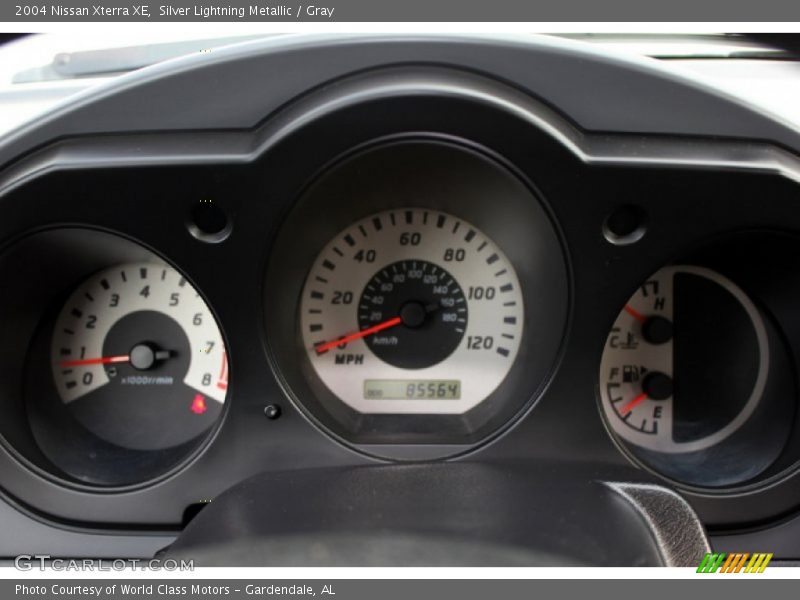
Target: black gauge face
x=138 y=359
x=420 y=313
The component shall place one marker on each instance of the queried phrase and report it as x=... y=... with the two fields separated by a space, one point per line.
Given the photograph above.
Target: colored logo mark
x=735 y=562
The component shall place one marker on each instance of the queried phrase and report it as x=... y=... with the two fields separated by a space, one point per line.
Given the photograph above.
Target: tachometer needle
x=103 y=360
x=633 y=403
x=321 y=348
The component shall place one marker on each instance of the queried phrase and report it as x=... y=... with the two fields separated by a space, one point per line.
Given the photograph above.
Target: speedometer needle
x=103 y=360
x=321 y=348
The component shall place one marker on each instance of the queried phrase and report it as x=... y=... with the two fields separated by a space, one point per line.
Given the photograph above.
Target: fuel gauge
x=685 y=370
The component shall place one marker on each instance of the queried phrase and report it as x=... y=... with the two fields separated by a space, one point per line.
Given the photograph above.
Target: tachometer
x=412 y=311
x=138 y=359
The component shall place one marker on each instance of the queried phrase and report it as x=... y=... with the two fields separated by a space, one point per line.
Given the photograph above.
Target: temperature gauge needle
x=635 y=313
x=103 y=360
x=321 y=348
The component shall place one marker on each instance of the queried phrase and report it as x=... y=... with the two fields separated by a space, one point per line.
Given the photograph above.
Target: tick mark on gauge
x=143 y=273
x=320 y=279
x=425 y=218
x=501 y=272
x=482 y=246
x=503 y=351
x=349 y=239
x=362 y=230
x=315 y=327
x=508 y=336
x=314 y=311
x=65 y=351
x=124 y=277
x=492 y=259
x=409 y=217
x=317 y=295
x=71 y=384
x=104 y=283
x=181 y=282
x=506 y=288
x=440 y=221
x=376 y=222
x=510 y=320
x=69 y=332
x=458 y=224
x=163 y=274
x=511 y=303
x=328 y=265
x=339 y=252
x=469 y=236
x=76 y=313
x=89 y=297
x=392 y=219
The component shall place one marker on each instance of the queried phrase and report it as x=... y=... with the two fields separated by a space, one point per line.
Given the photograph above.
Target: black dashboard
x=439 y=284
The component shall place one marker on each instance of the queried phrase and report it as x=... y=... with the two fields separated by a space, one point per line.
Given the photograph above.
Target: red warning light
x=198 y=404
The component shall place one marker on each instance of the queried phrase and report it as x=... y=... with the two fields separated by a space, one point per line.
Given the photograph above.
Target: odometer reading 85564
x=398 y=389
x=412 y=311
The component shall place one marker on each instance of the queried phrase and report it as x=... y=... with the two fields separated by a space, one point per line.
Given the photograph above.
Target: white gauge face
x=639 y=382
x=137 y=341
x=412 y=311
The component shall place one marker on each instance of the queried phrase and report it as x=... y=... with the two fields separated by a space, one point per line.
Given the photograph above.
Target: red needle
x=358 y=335
x=635 y=314
x=633 y=403
x=104 y=360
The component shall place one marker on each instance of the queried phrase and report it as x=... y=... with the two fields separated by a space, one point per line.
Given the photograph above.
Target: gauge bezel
x=528 y=238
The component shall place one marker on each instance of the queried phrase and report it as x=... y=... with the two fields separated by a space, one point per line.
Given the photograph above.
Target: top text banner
x=401 y=11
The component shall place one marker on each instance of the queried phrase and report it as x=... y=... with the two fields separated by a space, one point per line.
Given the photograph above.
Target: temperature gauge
x=686 y=363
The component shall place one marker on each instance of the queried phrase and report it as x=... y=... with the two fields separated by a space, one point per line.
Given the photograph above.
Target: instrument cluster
x=443 y=276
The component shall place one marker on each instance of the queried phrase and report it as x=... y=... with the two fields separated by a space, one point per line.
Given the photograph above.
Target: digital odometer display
x=412 y=311
x=425 y=389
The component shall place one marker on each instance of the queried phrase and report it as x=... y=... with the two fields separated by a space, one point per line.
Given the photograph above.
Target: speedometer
x=412 y=311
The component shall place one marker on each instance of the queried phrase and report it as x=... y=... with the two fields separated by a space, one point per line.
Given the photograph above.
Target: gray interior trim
x=601 y=92
x=170 y=148
x=675 y=526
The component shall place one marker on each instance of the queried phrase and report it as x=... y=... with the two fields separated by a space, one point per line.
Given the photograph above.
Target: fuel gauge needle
x=633 y=403
x=103 y=360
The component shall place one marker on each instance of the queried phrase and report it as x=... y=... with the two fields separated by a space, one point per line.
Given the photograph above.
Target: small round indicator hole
x=625 y=225
x=208 y=222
